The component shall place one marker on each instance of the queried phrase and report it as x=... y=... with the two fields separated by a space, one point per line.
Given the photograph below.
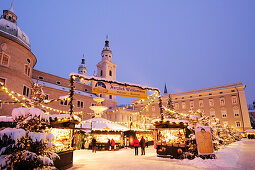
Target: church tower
x=106 y=68
x=82 y=69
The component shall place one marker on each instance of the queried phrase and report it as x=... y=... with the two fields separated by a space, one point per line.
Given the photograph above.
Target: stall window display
x=172 y=137
x=62 y=139
x=104 y=138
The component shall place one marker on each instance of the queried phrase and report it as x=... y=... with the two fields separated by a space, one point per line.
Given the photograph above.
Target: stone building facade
x=227 y=103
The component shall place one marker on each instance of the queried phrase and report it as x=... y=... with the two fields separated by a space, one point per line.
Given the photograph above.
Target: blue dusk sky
x=187 y=44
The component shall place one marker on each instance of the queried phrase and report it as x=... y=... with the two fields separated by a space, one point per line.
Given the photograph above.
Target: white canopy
x=101 y=124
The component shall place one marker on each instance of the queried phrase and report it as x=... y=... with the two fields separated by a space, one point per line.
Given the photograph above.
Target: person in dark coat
x=112 y=144
x=142 y=144
x=136 y=145
x=94 y=144
x=109 y=144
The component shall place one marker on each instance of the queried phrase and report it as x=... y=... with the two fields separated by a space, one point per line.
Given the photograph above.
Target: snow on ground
x=239 y=155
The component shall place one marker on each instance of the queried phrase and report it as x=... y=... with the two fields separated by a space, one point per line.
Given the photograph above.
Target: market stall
x=103 y=130
x=170 y=137
x=62 y=127
x=250 y=133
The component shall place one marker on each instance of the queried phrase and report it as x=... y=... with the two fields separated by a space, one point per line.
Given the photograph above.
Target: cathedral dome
x=9 y=27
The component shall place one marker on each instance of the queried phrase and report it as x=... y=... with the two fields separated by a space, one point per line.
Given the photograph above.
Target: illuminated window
x=5 y=60
x=234 y=100
x=236 y=112
x=191 y=104
x=201 y=103
x=183 y=105
x=224 y=113
x=238 y=124
x=176 y=106
x=211 y=102
x=222 y=101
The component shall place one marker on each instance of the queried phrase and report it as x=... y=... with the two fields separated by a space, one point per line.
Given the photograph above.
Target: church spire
x=83 y=60
x=165 y=90
x=11 y=9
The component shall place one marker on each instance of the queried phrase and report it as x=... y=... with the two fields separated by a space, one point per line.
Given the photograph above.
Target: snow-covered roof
x=169 y=120
x=12 y=29
x=54 y=86
x=102 y=124
x=250 y=131
x=63 y=116
x=6 y=119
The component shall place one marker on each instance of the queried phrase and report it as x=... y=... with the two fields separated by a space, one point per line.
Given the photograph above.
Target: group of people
x=251 y=136
x=141 y=143
x=110 y=144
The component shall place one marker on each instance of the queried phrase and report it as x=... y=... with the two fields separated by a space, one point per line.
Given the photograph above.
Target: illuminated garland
x=26 y=101
x=133 y=104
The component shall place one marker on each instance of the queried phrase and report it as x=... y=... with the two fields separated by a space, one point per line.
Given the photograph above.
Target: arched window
x=101 y=74
x=110 y=73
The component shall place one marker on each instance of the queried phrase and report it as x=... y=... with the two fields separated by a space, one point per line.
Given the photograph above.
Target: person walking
x=94 y=144
x=112 y=144
x=142 y=144
x=109 y=144
x=136 y=145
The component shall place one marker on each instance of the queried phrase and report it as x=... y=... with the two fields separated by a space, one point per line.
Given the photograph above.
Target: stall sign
x=204 y=140
x=115 y=89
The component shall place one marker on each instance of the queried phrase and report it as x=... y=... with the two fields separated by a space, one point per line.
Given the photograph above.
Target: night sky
x=186 y=44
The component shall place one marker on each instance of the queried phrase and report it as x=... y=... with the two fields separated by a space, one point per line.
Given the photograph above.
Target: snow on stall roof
x=113 y=81
x=63 y=116
x=250 y=131
x=54 y=86
x=101 y=124
x=169 y=120
x=6 y=119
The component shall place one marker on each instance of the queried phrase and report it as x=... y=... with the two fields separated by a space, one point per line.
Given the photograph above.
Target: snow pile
x=227 y=157
x=102 y=124
x=13 y=133
x=6 y=119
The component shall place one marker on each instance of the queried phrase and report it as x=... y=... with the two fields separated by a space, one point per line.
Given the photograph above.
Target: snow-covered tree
x=27 y=146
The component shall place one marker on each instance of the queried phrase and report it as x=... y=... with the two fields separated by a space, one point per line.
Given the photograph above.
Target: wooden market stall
x=170 y=137
x=103 y=130
x=62 y=127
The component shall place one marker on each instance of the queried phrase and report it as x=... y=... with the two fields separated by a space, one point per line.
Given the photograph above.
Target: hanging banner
x=204 y=140
x=118 y=90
